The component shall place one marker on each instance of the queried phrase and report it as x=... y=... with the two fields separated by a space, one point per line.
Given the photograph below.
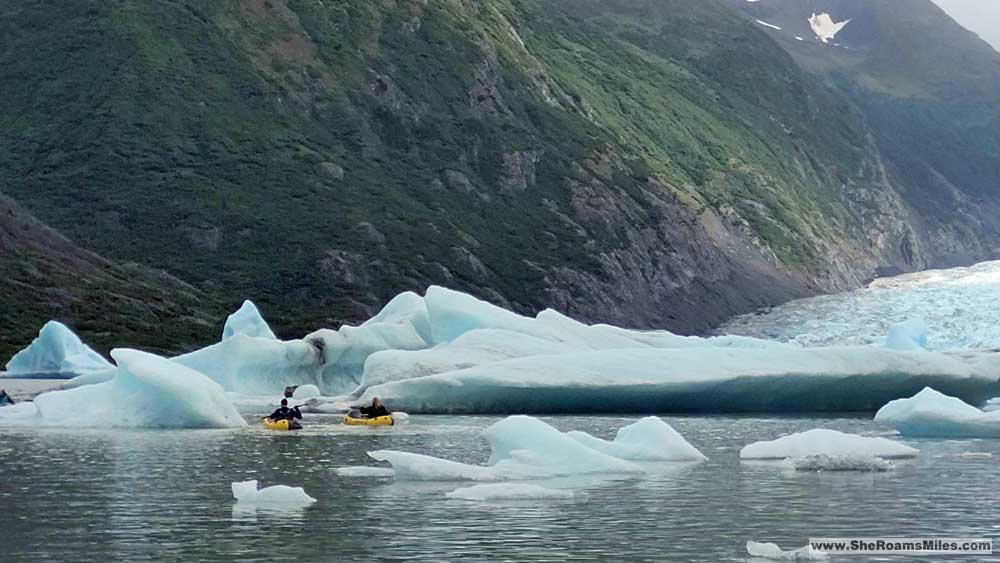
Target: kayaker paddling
x=283 y=418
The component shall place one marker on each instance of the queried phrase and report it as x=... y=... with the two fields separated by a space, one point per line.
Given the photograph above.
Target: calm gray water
x=165 y=495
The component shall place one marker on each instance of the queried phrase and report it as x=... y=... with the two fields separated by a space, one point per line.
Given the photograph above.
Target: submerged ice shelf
x=448 y=352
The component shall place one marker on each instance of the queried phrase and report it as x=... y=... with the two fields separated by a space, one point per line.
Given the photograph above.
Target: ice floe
x=508 y=491
x=523 y=447
x=933 y=414
x=773 y=552
x=365 y=471
x=821 y=441
x=247 y=492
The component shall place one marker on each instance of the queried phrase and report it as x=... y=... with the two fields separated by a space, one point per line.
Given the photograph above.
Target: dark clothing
x=374 y=412
x=284 y=413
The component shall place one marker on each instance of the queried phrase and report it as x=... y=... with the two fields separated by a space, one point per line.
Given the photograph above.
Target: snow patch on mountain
x=824 y=27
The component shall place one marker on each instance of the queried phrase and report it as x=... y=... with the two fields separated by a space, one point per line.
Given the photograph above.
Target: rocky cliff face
x=649 y=163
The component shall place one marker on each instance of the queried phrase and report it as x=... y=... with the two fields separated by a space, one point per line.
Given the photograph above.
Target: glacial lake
x=142 y=495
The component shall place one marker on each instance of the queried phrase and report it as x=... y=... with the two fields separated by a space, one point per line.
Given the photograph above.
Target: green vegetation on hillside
x=320 y=157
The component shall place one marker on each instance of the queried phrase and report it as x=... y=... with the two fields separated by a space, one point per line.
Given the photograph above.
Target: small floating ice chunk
x=765 y=24
x=772 y=551
x=247 y=321
x=649 y=439
x=365 y=471
x=408 y=466
x=821 y=441
x=908 y=335
x=936 y=415
x=246 y=491
x=861 y=463
x=57 y=352
x=975 y=455
x=508 y=491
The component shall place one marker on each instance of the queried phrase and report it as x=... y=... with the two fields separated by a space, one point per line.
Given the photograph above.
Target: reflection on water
x=165 y=495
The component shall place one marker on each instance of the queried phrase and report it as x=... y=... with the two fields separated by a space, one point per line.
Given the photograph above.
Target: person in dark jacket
x=376 y=410
x=285 y=413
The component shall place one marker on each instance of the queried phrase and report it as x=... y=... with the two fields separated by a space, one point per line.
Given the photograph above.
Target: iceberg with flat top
x=57 y=353
x=247 y=321
x=147 y=391
x=695 y=379
x=247 y=492
x=932 y=414
x=821 y=441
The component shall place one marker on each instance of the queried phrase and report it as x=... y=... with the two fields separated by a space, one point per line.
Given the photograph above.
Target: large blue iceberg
x=447 y=352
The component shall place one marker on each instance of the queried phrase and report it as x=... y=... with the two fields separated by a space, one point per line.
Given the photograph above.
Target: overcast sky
x=981 y=16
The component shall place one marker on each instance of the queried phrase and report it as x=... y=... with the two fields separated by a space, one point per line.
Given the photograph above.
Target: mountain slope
x=643 y=163
x=43 y=276
x=929 y=88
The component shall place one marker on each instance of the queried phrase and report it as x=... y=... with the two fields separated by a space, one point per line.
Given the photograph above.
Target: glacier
x=907 y=335
x=57 y=353
x=932 y=414
x=958 y=306
x=821 y=441
x=147 y=391
x=523 y=447
x=247 y=492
